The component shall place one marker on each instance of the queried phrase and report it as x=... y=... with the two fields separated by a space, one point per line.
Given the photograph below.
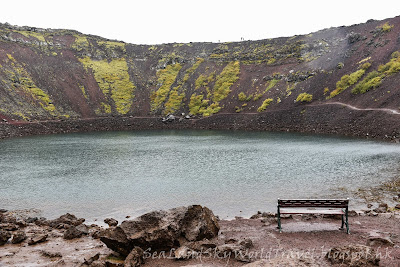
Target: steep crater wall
x=340 y=80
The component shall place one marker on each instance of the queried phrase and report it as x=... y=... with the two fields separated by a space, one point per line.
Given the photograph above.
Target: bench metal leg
x=342 y=227
x=347 y=221
x=279 y=221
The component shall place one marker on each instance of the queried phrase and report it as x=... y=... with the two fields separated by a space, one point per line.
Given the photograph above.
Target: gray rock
x=113 y=263
x=111 y=221
x=90 y=260
x=83 y=228
x=72 y=233
x=352 y=213
x=66 y=219
x=31 y=219
x=256 y=216
x=383 y=207
x=50 y=254
x=162 y=230
x=4 y=236
x=379 y=241
x=18 y=237
x=37 y=238
x=247 y=243
x=135 y=258
x=96 y=231
x=236 y=251
x=353 y=255
x=9 y=226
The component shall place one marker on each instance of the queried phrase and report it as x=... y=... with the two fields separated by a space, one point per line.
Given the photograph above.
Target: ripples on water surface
x=96 y=175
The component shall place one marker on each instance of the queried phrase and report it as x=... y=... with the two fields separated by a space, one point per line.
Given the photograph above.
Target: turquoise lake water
x=115 y=174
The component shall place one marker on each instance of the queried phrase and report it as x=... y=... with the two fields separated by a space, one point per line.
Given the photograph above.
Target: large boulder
x=162 y=230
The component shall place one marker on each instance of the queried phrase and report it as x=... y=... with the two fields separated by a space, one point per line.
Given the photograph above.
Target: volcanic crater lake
x=234 y=173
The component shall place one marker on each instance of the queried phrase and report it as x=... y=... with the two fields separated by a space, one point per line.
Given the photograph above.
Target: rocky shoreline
x=335 y=120
x=194 y=236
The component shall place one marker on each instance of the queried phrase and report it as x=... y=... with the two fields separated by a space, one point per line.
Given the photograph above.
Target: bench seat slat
x=322 y=203
x=311 y=211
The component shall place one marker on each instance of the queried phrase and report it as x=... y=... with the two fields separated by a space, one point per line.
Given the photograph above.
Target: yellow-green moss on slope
x=38 y=36
x=348 y=80
x=174 y=101
x=304 y=97
x=166 y=77
x=374 y=78
x=224 y=81
x=21 y=79
x=112 y=45
x=81 y=42
x=203 y=80
x=113 y=79
x=198 y=105
x=192 y=69
x=222 y=87
x=265 y=104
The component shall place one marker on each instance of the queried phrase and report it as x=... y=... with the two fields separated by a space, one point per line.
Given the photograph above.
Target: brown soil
x=308 y=237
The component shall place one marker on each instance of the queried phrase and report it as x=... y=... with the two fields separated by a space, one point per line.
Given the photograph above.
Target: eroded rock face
x=162 y=230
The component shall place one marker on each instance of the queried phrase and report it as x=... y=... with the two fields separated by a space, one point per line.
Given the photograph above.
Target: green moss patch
x=224 y=81
x=374 y=78
x=20 y=79
x=166 y=77
x=265 y=104
x=348 y=80
x=113 y=79
x=304 y=97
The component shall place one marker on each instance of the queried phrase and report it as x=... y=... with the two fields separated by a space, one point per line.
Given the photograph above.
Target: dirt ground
x=305 y=237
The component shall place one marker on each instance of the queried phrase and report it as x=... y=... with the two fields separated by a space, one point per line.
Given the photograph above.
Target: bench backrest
x=313 y=203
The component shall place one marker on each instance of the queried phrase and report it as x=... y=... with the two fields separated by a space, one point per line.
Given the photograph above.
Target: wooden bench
x=315 y=206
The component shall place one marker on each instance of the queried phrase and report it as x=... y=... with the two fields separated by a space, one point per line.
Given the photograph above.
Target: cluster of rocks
x=291 y=76
x=12 y=228
x=184 y=233
x=172 y=118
